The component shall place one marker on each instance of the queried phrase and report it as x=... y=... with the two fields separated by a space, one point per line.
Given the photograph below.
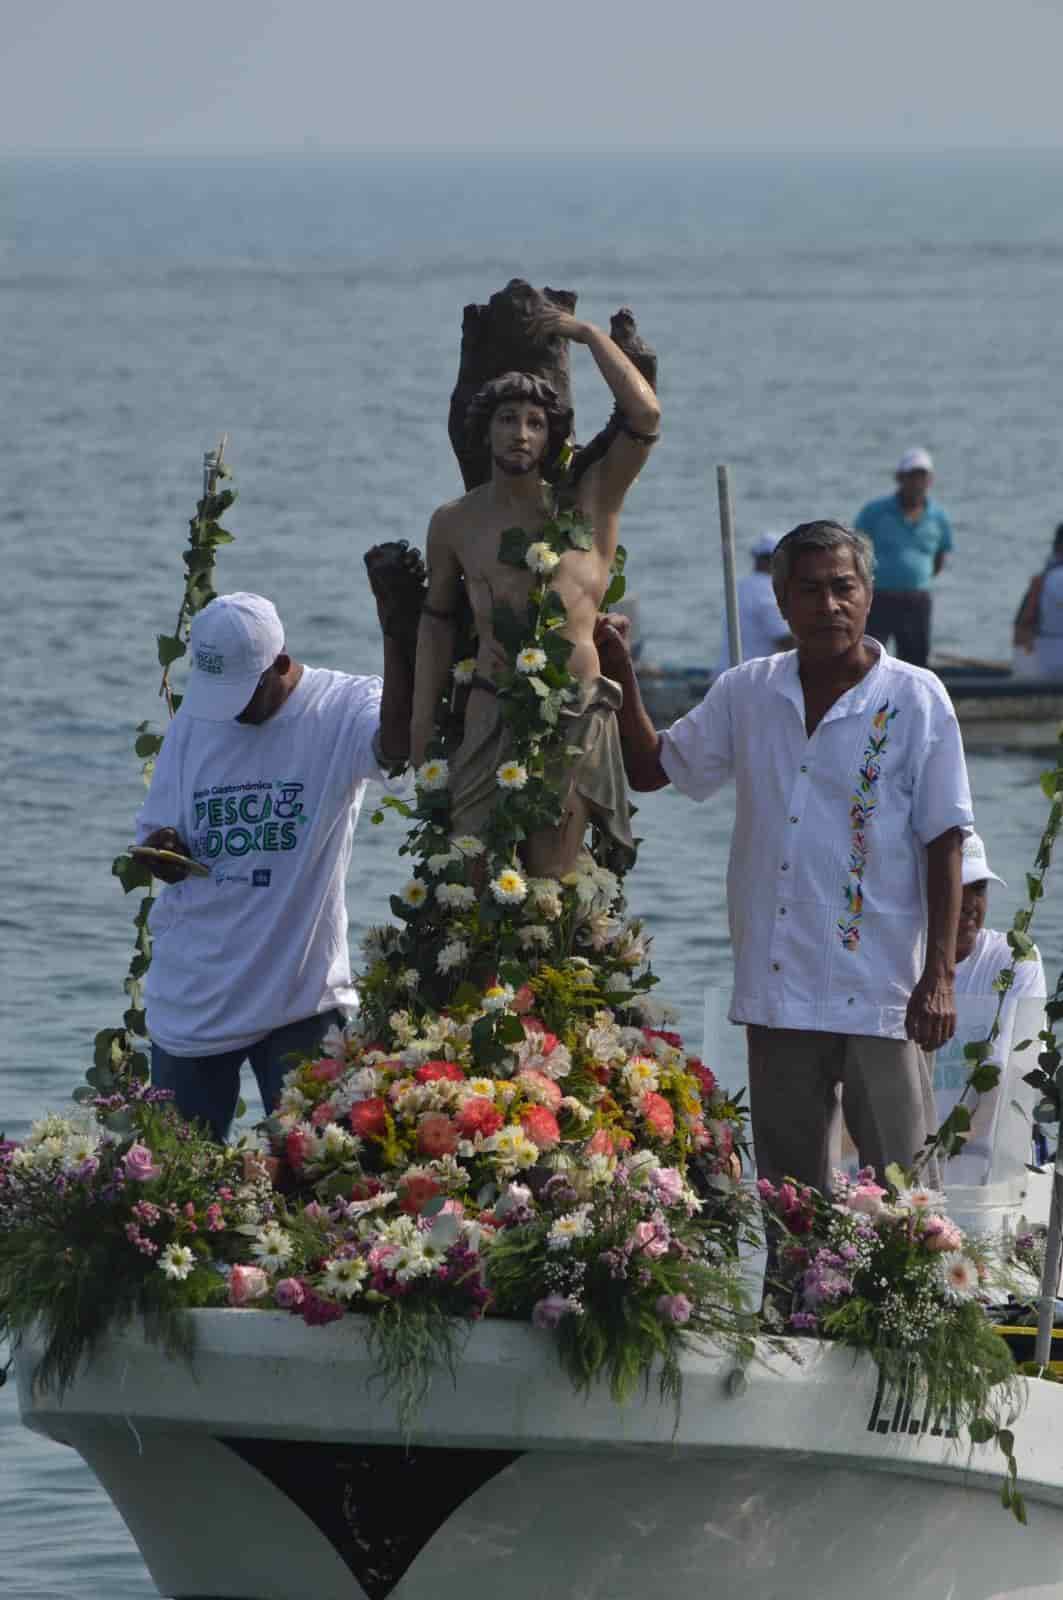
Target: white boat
x=274 y=1470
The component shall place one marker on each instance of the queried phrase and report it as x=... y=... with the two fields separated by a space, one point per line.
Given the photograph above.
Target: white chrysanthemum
x=574 y=1225
x=409 y=978
x=80 y=1147
x=464 y=671
x=452 y=955
x=177 y=1262
x=432 y=775
x=509 y=888
x=534 y=936
x=481 y=1088
x=920 y=1198
x=497 y=997
x=336 y=1141
x=468 y=844
x=511 y=775
x=512 y=1147
x=414 y=893
x=439 y=863
x=345 y=1276
x=640 y=1074
x=959 y=1275
x=272 y=1248
x=540 y=558
x=456 y=896
x=531 y=659
x=412 y=1262
x=618 y=983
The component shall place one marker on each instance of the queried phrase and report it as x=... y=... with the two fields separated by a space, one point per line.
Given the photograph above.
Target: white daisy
x=574 y=1225
x=456 y=896
x=177 y=1261
x=464 y=671
x=509 y=888
x=414 y=893
x=345 y=1276
x=497 y=997
x=531 y=660
x=540 y=558
x=468 y=844
x=511 y=775
x=452 y=955
x=959 y=1276
x=439 y=863
x=432 y=775
x=920 y=1198
x=272 y=1248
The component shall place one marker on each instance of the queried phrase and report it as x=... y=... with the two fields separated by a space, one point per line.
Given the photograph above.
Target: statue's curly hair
x=520 y=386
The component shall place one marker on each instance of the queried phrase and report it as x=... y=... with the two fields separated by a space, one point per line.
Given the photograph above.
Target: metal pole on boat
x=730 y=580
x=1050 y=1274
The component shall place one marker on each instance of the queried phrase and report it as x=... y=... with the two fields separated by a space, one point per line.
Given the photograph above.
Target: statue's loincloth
x=596 y=773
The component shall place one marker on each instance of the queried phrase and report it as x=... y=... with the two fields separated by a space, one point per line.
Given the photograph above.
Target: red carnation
x=434 y=1070
x=705 y=1076
x=479 y=1115
x=437 y=1135
x=541 y=1126
x=673 y=1039
x=416 y=1193
x=369 y=1118
x=658 y=1113
x=296 y=1149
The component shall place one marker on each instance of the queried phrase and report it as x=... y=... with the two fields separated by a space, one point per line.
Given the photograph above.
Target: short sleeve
x=361 y=727
x=941 y=793
x=697 y=752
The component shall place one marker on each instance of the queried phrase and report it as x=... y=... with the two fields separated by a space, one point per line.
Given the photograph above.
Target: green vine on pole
x=118 y=1052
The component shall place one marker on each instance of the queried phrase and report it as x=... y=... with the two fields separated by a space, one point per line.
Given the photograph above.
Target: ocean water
x=813 y=317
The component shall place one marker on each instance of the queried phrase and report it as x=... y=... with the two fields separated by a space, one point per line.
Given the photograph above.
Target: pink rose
x=650 y=1239
x=867 y=1198
x=479 y=1115
x=540 y=1087
x=437 y=1135
x=941 y=1233
x=541 y=1126
x=674 y=1308
x=139 y=1164
x=289 y=1294
x=247 y=1284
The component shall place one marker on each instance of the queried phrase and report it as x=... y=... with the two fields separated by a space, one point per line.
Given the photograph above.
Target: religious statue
x=540 y=522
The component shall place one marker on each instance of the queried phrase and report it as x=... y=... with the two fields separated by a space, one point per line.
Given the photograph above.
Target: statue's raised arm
x=538 y=517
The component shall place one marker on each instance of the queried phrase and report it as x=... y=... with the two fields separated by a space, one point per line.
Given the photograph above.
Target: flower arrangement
x=884 y=1269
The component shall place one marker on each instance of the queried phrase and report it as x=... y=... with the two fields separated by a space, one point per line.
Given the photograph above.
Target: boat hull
x=273 y=1469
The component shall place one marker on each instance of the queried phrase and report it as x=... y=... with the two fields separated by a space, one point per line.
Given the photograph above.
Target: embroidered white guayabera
x=826 y=884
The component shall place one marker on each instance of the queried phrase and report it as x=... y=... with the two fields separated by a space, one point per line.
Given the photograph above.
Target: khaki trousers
x=794 y=1080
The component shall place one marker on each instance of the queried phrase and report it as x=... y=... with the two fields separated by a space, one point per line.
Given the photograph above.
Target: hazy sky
x=245 y=75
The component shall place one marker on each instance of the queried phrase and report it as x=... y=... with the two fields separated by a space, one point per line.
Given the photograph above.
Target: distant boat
x=997 y=708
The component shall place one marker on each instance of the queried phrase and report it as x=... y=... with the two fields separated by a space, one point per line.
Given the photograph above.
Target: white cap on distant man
x=233 y=641
x=764 y=545
x=975 y=867
x=917 y=460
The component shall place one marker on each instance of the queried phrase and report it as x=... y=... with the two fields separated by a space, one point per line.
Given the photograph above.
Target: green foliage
x=410 y=1344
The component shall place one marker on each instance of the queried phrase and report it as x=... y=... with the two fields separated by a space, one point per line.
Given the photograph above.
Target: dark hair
x=820 y=536
x=520 y=386
x=1058 y=540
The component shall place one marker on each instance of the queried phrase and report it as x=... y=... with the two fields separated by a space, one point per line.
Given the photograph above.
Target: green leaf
x=1006 y=1441
x=1024 y=1045
x=981 y=1430
x=1020 y=942
x=616 y=591
x=580 y=537
x=148 y=744
x=510 y=1029
x=985 y=1077
x=1034 y=887
x=170 y=649
x=514 y=545
x=977 y=1051
x=1050 y=782
x=131 y=874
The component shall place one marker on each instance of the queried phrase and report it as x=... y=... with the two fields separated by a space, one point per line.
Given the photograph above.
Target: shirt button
x=793 y=819
x=803 y=768
x=775 y=966
x=849 y=1001
x=782 y=911
x=785 y=867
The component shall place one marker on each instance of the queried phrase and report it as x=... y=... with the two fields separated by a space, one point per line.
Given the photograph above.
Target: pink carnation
x=369 y=1118
x=651 y=1239
x=479 y=1115
x=658 y=1113
x=547 y=1313
x=289 y=1294
x=706 y=1079
x=326 y=1070
x=868 y=1198
x=325 y=1112
x=247 y=1284
x=941 y=1233
x=139 y=1164
x=607 y=1142
x=674 y=1308
x=437 y=1135
x=541 y=1087
x=416 y=1192
x=541 y=1126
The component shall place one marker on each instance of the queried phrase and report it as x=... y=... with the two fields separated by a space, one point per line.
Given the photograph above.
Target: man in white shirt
x=260 y=780
x=761 y=624
x=843 y=887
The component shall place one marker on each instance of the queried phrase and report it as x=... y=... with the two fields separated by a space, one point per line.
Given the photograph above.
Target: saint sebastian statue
x=525 y=425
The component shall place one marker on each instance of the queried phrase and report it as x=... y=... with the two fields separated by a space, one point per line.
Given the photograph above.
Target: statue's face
x=518 y=435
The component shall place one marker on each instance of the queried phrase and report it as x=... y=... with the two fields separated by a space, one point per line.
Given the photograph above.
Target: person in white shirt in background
x=982 y=955
x=761 y=625
x=843 y=888
x=260 y=779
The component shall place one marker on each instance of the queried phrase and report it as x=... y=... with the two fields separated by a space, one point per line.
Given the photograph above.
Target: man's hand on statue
x=931 y=1016
x=612 y=635
x=398 y=580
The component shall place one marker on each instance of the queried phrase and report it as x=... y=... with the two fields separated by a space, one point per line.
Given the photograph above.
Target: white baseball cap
x=915 y=461
x=975 y=867
x=233 y=640
x=764 y=544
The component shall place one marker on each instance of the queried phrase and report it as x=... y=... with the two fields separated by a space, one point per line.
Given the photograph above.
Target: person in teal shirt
x=911 y=536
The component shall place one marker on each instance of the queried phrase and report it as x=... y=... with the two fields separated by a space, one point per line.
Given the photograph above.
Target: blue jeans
x=207 y=1088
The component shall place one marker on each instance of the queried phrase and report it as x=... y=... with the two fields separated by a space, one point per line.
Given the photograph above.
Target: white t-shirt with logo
x=271 y=810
